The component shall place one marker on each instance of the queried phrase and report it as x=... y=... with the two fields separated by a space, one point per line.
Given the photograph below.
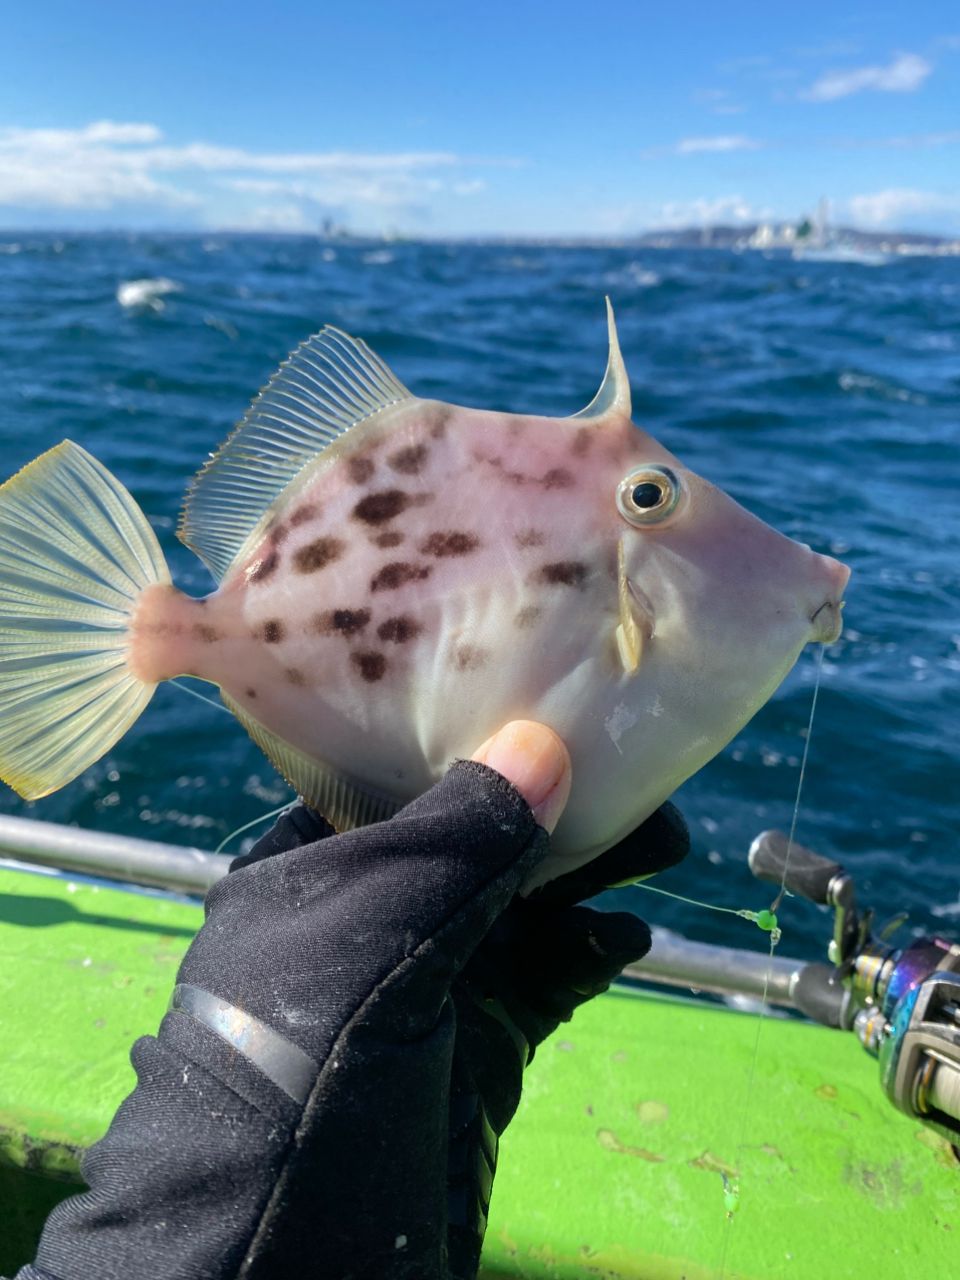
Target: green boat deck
x=614 y=1166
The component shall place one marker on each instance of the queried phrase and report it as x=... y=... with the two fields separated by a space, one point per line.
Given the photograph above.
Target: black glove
x=291 y=1118
x=542 y=958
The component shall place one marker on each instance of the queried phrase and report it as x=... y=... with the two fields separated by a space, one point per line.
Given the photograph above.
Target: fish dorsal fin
x=343 y=803
x=328 y=385
x=614 y=393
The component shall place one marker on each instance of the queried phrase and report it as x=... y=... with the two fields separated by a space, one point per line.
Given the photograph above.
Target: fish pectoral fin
x=329 y=384
x=629 y=647
x=628 y=633
x=344 y=804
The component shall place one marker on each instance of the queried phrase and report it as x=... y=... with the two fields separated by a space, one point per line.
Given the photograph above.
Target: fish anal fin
x=345 y=804
x=330 y=383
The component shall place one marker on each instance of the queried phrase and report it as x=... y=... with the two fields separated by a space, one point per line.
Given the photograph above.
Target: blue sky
x=459 y=118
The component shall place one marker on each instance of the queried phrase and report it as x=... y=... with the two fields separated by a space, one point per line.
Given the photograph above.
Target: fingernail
x=534 y=759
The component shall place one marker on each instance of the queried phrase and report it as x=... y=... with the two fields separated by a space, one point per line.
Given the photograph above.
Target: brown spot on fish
x=264 y=566
x=317 y=554
x=344 y=622
x=370 y=664
x=409 y=460
x=207 y=634
x=273 y=631
x=159 y=628
x=514 y=477
x=360 y=469
x=296 y=677
x=470 y=657
x=449 y=543
x=530 y=538
x=439 y=427
x=378 y=508
x=582 y=442
x=527 y=616
x=277 y=533
x=400 y=629
x=558 y=478
x=397 y=573
x=250 y=693
x=392 y=538
x=563 y=573
x=303 y=514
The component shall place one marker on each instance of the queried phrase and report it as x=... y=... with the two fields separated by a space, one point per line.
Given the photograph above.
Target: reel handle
x=808 y=874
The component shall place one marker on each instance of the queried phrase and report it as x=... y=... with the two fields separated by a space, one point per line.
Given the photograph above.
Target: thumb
x=535 y=760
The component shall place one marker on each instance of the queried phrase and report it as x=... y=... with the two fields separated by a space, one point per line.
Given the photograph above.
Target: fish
x=397 y=578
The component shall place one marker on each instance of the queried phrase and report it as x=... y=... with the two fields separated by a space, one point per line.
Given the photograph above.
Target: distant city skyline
x=436 y=119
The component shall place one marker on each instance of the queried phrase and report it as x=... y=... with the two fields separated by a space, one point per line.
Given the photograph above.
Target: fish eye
x=648 y=495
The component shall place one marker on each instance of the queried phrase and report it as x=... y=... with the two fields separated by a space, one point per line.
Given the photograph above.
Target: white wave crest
x=147 y=293
x=633 y=276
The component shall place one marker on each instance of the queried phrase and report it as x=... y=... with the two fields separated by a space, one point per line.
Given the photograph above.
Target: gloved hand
x=542 y=958
x=292 y=1117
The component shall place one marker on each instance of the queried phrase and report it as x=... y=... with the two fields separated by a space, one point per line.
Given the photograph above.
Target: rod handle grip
x=819 y=993
x=807 y=873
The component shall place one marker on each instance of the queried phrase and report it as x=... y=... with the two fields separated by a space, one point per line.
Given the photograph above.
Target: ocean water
x=824 y=397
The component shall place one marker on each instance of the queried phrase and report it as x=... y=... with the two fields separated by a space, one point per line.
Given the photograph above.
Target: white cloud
x=725 y=142
x=905 y=74
x=96 y=167
x=109 y=131
x=717 y=145
x=289 y=217
x=705 y=211
x=108 y=166
x=921 y=141
x=720 y=102
x=897 y=206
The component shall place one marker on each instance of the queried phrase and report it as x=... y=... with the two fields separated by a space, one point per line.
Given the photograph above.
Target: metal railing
x=674 y=961
x=123 y=858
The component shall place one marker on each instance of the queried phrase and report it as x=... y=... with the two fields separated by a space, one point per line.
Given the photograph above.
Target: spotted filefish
x=398 y=577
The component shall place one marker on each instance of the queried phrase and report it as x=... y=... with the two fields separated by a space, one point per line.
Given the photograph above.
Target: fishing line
x=803 y=769
x=274 y=813
x=731 y=1186
x=765 y=920
x=218 y=706
x=202 y=696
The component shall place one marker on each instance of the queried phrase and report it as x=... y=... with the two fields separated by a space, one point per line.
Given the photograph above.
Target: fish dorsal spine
x=614 y=393
x=329 y=384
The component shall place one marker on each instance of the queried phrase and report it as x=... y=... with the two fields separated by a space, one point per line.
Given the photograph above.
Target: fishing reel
x=903 y=1003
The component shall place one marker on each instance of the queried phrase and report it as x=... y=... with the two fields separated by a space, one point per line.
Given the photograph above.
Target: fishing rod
x=902 y=1003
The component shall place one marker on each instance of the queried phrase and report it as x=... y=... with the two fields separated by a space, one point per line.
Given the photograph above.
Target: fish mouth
x=827 y=622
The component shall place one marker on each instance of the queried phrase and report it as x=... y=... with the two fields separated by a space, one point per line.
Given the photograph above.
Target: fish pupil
x=646 y=495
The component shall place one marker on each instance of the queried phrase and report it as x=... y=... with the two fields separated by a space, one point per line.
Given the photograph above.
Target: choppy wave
x=148 y=293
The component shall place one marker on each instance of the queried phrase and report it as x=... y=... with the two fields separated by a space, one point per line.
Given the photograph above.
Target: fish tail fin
x=76 y=552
